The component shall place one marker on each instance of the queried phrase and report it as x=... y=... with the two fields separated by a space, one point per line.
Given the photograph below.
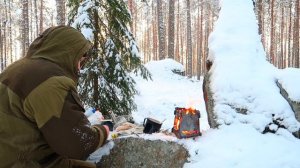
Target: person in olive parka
x=42 y=121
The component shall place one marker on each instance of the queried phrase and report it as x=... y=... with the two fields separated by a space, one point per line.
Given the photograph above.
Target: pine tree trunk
x=171 y=29
x=154 y=32
x=177 y=55
x=201 y=40
x=61 y=12
x=199 y=45
x=130 y=6
x=5 y=34
x=260 y=12
x=207 y=30
x=296 y=35
x=272 y=35
x=281 y=62
x=36 y=19
x=41 y=29
x=30 y=8
x=286 y=25
x=181 y=43
x=25 y=27
x=94 y=75
x=1 y=45
x=189 y=41
x=161 y=30
x=10 y=33
x=290 y=38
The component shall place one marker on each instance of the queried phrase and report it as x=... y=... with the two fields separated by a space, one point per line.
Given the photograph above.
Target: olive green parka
x=42 y=121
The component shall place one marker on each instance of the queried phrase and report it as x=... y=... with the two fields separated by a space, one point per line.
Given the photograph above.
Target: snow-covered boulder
x=165 y=68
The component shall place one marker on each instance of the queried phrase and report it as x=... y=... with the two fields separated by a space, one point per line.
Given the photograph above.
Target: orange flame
x=177 y=123
x=189 y=132
x=190 y=111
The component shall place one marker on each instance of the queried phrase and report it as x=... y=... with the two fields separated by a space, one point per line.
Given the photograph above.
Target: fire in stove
x=186 y=123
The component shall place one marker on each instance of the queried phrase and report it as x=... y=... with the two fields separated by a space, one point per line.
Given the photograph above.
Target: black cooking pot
x=151 y=125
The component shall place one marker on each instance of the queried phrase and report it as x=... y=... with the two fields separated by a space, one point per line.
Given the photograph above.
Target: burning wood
x=186 y=122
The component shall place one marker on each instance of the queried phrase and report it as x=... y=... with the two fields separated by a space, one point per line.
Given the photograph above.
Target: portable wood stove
x=186 y=123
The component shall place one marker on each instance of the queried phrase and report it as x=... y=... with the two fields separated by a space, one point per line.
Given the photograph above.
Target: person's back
x=42 y=120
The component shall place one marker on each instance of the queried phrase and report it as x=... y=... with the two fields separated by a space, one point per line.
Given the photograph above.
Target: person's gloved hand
x=107 y=129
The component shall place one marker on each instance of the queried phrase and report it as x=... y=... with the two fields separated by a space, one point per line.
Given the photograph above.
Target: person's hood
x=62 y=45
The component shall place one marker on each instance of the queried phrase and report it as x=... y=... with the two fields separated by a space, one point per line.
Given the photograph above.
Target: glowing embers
x=186 y=122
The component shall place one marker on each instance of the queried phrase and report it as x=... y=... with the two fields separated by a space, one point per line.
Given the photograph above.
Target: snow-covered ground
x=231 y=146
x=241 y=76
x=237 y=145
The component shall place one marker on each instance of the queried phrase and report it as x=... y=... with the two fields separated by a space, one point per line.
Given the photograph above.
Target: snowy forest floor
x=236 y=145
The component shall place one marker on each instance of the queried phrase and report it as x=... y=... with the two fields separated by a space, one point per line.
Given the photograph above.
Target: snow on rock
x=289 y=78
x=241 y=77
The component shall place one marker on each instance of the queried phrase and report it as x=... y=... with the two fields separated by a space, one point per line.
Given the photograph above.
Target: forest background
x=176 y=29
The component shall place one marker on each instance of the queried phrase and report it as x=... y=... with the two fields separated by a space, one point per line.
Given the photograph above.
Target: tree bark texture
x=171 y=34
x=189 y=41
x=25 y=27
x=61 y=12
x=161 y=31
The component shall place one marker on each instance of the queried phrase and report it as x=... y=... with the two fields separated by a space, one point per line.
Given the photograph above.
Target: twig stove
x=186 y=123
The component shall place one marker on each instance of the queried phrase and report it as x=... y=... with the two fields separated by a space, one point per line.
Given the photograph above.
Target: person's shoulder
x=50 y=74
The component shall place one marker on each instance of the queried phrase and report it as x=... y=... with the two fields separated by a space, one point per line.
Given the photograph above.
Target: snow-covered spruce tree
x=106 y=82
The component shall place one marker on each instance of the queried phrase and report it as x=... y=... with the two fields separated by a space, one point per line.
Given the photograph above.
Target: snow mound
x=241 y=77
x=164 y=68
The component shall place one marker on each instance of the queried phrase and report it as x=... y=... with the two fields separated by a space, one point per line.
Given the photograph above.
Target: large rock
x=294 y=105
x=141 y=153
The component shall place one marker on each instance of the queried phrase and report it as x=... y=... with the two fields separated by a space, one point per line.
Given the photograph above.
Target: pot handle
x=145 y=121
